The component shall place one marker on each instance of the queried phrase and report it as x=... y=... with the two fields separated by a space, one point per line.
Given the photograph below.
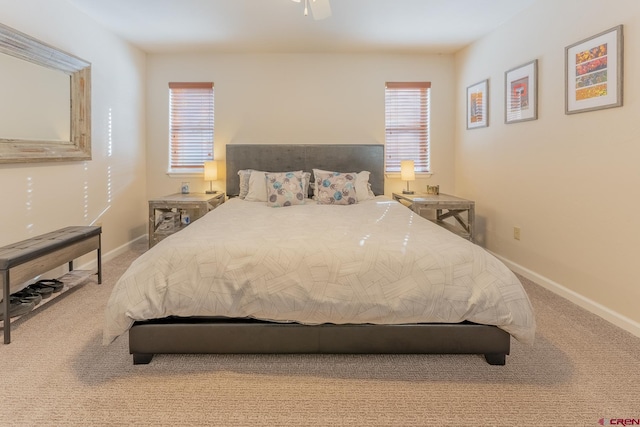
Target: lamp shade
x=407 y=170
x=211 y=170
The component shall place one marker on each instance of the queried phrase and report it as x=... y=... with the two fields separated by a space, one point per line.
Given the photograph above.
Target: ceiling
x=404 y=26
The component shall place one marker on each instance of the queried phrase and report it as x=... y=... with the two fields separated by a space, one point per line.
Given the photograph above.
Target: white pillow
x=244 y=175
x=257 y=187
x=306 y=177
x=363 y=188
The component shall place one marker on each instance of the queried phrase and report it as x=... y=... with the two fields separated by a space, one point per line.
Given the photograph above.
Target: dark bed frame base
x=243 y=336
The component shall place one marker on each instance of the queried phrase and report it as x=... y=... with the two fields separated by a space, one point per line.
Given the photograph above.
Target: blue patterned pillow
x=285 y=189
x=335 y=188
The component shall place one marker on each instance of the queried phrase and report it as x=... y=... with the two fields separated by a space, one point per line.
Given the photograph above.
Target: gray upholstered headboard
x=281 y=158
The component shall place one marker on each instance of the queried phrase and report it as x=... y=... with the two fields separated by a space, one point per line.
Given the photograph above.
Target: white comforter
x=373 y=262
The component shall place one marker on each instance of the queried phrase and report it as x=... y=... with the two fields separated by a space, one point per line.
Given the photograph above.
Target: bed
x=367 y=277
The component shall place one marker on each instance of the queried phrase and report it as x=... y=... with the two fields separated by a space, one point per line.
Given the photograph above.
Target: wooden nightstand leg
x=471 y=220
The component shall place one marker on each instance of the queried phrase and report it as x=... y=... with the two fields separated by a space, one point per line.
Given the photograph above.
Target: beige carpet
x=56 y=373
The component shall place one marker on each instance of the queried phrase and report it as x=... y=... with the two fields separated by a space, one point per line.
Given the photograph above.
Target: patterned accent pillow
x=316 y=180
x=285 y=189
x=335 y=188
x=362 y=185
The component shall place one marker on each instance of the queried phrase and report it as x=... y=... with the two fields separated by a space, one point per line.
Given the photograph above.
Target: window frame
x=197 y=112
x=398 y=136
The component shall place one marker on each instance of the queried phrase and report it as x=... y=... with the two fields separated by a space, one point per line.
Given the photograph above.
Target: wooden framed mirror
x=75 y=141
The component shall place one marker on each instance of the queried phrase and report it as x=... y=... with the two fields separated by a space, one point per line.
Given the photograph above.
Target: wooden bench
x=22 y=261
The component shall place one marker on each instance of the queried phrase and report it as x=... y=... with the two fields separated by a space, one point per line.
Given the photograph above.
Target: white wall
x=37 y=92
x=110 y=188
x=297 y=98
x=569 y=181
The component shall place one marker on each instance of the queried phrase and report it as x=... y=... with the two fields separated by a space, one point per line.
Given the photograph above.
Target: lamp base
x=408 y=192
x=211 y=192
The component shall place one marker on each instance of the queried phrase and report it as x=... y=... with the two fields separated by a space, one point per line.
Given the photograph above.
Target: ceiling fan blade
x=321 y=9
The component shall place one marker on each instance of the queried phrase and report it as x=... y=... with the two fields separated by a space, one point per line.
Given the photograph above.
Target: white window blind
x=191 y=125
x=407 y=125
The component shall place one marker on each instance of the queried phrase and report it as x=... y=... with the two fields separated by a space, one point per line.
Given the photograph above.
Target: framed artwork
x=477 y=105
x=521 y=93
x=593 y=72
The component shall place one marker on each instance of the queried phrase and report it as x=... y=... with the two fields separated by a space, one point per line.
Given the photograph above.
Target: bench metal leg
x=6 y=317
x=99 y=259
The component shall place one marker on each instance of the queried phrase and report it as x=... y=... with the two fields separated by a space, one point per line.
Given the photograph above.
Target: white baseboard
x=93 y=264
x=598 y=309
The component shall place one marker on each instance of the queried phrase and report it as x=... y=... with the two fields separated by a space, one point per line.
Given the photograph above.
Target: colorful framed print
x=478 y=105
x=593 y=72
x=521 y=93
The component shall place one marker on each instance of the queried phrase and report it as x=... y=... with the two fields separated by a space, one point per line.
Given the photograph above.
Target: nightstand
x=445 y=206
x=170 y=214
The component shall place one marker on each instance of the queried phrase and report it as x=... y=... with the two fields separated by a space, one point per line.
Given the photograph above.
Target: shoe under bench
x=22 y=261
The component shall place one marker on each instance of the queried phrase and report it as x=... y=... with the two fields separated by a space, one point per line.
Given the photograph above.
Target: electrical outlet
x=516 y=233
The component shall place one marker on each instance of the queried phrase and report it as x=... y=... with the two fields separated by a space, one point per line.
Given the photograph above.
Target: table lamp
x=407 y=173
x=211 y=174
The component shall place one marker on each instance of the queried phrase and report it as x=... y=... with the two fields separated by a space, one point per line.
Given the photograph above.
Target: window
x=407 y=125
x=190 y=126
